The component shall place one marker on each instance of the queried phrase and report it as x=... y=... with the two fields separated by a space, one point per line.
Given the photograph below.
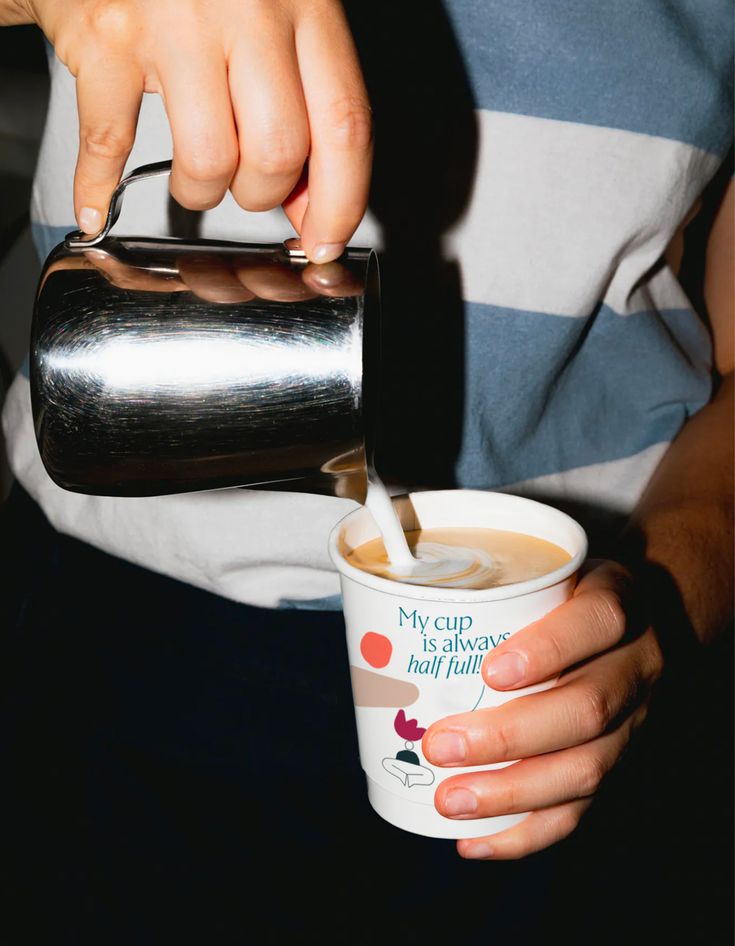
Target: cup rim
x=396 y=588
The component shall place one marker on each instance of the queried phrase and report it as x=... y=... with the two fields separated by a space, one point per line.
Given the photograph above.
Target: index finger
x=108 y=99
x=581 y=707
x=340 y=124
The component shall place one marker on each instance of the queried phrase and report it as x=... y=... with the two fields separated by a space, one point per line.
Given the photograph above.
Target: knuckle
x=113 y=21
x=349 y=124
x=205 y=164
x=610 y=614
x=568 y=821
x=591 y=771
x=503 y=740
x=508 y=798
x=279 y=157
x=556 y=655
x=108 y=143
x=595 y=711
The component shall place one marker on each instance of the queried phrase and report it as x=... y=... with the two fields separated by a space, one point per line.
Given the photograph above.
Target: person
x=533 y=171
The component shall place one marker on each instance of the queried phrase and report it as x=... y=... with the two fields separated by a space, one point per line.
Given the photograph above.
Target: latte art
x=462 y=558
x=448 y=566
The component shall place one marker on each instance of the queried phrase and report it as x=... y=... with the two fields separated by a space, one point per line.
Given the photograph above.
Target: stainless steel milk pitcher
x=164 y=366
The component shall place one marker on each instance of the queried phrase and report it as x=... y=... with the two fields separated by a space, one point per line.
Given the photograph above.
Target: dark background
x=23 y=95
x=652 y=861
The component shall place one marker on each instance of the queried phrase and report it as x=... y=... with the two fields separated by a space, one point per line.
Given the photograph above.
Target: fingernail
x=326 y=252
x=90 y=220
x=478 y=851
x=459 y=801
x=446 y=748
x=506 y=670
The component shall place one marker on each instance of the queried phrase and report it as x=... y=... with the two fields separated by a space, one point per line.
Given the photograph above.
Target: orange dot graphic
x=376 y=649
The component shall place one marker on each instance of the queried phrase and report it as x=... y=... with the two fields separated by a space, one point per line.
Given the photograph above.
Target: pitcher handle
x=78 y=239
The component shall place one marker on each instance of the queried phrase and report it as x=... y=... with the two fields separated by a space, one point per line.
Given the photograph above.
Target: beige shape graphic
x=377 y=689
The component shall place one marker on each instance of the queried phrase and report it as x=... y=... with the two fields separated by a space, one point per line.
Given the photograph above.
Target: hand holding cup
x=568 y=737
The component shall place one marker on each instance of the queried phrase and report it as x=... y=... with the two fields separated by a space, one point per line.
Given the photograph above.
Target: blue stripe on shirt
x=544 y=394
x=659 y=67
x=330 y=603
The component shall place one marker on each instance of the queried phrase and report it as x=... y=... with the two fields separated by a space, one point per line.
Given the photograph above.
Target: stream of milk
x=445 y=565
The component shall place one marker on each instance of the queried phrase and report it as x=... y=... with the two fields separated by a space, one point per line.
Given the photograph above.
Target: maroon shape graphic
x=407 y=728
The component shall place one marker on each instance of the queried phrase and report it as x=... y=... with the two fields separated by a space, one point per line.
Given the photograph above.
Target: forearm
x=685 y=517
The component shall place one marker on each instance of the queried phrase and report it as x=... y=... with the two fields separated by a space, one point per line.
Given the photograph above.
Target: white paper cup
x=417 y=651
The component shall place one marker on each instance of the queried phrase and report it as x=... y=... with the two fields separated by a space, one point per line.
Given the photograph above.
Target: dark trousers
x=182 y=768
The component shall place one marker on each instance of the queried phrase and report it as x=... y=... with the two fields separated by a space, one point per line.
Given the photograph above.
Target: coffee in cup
x=463 y=557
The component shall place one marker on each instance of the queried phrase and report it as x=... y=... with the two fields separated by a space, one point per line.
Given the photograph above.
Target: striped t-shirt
x=533 y=163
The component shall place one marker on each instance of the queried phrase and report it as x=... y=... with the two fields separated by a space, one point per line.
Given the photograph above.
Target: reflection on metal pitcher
x=161 y=366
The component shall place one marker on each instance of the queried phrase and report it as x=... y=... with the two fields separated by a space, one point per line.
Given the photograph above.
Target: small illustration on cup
x=376 y=649
x=406 y=765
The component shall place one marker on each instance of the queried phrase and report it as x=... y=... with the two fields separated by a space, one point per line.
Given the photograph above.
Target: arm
x=685 y=516
x=252 y=89
x=608 y=655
